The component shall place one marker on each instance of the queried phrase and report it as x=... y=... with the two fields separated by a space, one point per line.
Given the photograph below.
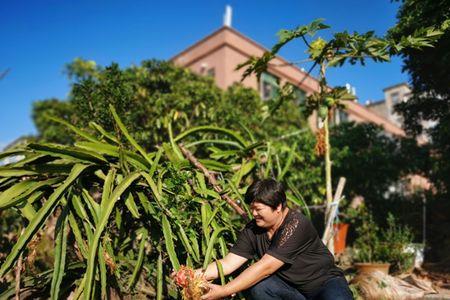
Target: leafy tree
x=49 y=130
x=430 y=78
x=372 y=161
x=373 y=164
x=146 y=96
x=81 y=69
x=430 y=102
x=156 y=94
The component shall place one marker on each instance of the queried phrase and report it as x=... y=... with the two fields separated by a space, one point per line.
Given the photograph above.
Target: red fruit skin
x=184 y=276
x=180 y=278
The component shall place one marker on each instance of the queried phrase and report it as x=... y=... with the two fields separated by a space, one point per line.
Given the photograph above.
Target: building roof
x=218 y=31
x=233 y=39
x=227 y=37
x=395 y=86
x=375 y=103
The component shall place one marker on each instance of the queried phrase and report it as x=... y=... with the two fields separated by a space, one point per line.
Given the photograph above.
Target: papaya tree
x=341 y=48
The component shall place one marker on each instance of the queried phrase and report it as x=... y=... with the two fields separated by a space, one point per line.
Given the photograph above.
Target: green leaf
x=35 y=186
x=28 y=211
x=140 y=260
x=174 y=145
x=94 y=207
x=68 y=152
x=155 y=191
x=210 y=248
x=7 y=197
x=148 y=207
x=223 y=247
x=104 y=216
x=132 y=207
x=103 y=277
x=81 y=133
x=214 y=165
x=288 y=162
x=77 y=234
x=60 y=253
x=205 y=212
x=107 y=187
x=156 y=161
x=39 y=219
x=28 y=159
x=10 y=172
x=298 y=199
x=223 y=142
x=201 y=182
x=194 y=243
x=107 y=149
x=268 y=168
x=168 y=238
x=12 y=153
x=186 y=243
x=230 y=133
x=128 y=136
x=246 y=167
x=78 y=207
x=103 y=132
x=159 y=278
x=80 y=289
x=220 y=272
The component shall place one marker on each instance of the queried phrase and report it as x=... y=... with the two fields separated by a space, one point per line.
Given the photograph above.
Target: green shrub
x=397 y=238
x=376 y=245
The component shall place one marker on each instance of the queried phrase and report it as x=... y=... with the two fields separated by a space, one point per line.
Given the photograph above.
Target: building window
x=395 y=98
x=211 y=72
x=343 y=116
x=268 y=86
x=338 y=117
x=300 y=95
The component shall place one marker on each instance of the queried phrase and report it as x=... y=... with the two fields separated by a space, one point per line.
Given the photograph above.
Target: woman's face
x=265 y=216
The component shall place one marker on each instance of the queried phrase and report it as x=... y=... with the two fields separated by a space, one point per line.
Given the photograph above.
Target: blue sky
x=40 y=37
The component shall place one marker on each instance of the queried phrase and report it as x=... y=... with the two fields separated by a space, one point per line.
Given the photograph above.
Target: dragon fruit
x=193 y=285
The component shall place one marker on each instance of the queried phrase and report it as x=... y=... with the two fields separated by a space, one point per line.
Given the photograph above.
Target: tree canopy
x=430 y=79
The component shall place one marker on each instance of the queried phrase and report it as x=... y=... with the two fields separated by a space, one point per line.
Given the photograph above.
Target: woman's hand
x=215 y=292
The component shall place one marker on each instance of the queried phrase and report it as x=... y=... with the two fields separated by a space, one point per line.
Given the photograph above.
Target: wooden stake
x=327 y=237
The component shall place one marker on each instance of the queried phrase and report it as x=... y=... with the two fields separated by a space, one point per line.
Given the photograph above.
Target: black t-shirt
x=308 y=263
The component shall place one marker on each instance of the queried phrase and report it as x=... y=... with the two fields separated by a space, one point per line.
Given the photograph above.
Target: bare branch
x=212 y=180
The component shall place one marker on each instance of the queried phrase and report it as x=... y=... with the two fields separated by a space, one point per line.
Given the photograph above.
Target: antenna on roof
x=227 y=16
x=350 y=89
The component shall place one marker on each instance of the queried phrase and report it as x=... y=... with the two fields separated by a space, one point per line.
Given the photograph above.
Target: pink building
x=219 y=53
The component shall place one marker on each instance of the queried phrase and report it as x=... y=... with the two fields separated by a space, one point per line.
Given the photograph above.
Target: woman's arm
x=230 y=263
x=263 y=268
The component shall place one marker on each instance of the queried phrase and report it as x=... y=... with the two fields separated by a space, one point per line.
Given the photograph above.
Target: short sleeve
x=243 y=246
x=290 y=241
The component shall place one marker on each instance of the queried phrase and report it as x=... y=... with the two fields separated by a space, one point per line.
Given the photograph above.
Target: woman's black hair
x=267 y=191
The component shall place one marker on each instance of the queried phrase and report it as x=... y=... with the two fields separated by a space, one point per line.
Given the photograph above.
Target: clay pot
x=366 y=268
x=340 y=237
